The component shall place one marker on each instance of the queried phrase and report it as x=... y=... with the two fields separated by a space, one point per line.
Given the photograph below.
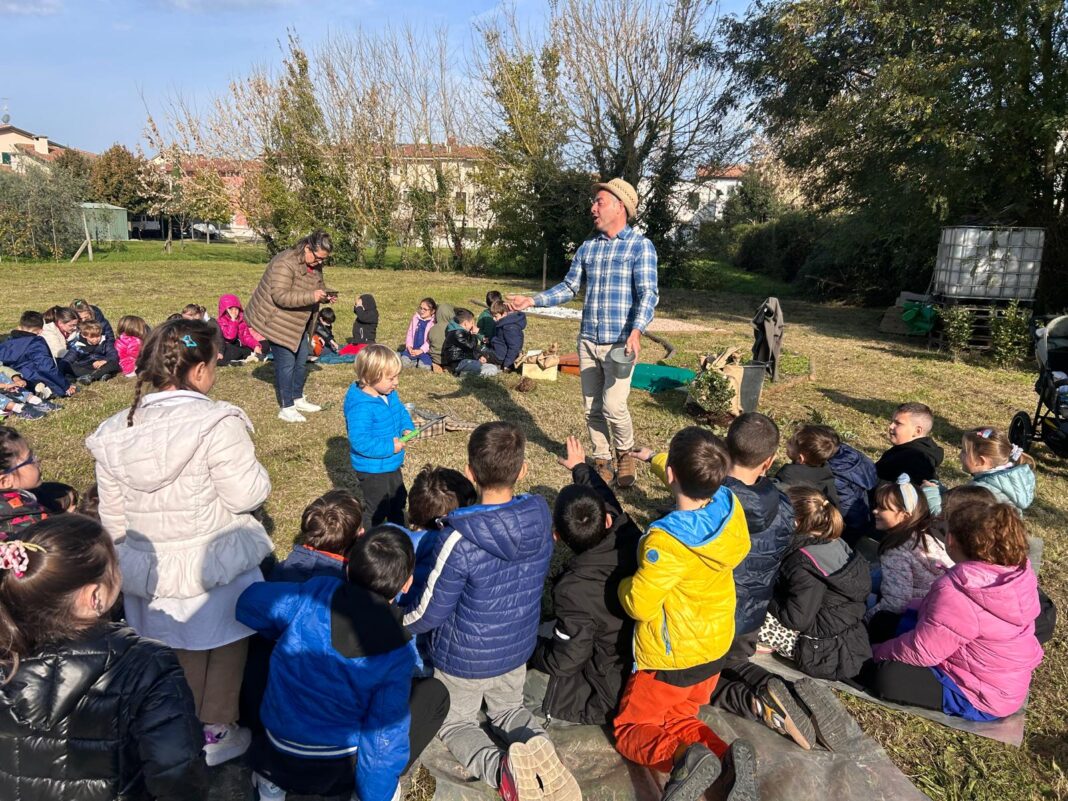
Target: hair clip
x=1015 y=453
x=986 y=433
x=14 y=556
x=908 y=492
x=188 y=341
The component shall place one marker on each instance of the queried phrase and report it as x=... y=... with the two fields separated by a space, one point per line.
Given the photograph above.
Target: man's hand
x=519 y=302
x=634 y=343
x=321 y=296
x=576 y=454
x=642 y=454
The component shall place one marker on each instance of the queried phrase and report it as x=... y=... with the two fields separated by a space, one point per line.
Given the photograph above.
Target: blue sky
x=75 y=70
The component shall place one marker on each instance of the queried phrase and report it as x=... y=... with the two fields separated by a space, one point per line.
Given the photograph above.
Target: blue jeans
x=290 y=370
x=475 y=367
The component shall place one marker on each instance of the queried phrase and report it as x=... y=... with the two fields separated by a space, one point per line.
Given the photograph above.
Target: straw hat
x=623 y=191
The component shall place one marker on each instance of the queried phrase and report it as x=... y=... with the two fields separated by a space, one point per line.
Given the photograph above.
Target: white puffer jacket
x=176 y=492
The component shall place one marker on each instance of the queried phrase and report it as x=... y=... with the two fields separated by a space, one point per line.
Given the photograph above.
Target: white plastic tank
x=989 y=263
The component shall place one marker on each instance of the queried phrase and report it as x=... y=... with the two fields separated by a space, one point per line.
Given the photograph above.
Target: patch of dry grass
x=860 y=376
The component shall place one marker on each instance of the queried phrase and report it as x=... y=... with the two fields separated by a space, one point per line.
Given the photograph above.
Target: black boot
x=738 y=782
x=696 y=769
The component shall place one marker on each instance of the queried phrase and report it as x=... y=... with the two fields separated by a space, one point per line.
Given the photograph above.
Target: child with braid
x=178 y=481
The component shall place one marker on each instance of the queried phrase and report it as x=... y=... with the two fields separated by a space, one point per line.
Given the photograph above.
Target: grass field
x=860 y=375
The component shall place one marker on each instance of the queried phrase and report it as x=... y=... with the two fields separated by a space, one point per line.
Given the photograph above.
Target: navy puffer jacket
x=770 y=518
x=482 y=598
x=854 y=478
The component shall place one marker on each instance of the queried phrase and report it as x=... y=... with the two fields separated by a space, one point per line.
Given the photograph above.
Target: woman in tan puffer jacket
x=283 y=309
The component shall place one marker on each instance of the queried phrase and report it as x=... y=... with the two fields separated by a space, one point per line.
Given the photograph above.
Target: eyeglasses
x=31 y=459
x=316 y=258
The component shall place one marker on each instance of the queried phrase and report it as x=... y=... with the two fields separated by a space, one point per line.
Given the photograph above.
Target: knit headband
x=908 y=492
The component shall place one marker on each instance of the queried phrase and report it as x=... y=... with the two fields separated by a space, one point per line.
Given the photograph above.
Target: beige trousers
x=605 y=398
x=214 y=676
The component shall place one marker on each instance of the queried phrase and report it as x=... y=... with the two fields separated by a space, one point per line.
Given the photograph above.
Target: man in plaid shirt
x=619 y=269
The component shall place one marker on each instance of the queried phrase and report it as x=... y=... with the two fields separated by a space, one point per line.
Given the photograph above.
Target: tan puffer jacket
x=176 y=494
x=283 y=307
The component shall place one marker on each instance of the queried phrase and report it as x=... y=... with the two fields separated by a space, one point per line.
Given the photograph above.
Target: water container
x=989 y=263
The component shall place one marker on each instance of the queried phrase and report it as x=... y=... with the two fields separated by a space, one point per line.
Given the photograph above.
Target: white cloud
x=31 y=8
x=222 y=5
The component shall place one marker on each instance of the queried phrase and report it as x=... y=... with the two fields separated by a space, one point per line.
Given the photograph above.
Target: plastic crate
x=989 y=263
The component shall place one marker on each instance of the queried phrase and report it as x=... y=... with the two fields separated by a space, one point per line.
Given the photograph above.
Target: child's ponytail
x=814 y=515
x=994 y=445
x=169 y=353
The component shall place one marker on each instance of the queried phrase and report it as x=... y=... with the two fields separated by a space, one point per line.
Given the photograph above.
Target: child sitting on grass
x=324 y=330
x=365 y=326
x=809 y=449
x=416 y=352
x=911 y=556
x=486 y=324
x=20 y=472
x=683 y=599
x=913 y=452
x=973 y=650
x=462 y=353
x=506 y=344
x=589 y=657
x=27 y=352
x=996 y=464
x=238 y=341
x=435 y=493
x=132 y=333
x=376 y=420
x=482 y=603
x=341 y=710
x=16 y=400
x=816 y=616
x=90 y=357
x=804 y=710
x=854 y=479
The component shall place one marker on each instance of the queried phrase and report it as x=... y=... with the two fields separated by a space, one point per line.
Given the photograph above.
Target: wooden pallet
x=983 y=313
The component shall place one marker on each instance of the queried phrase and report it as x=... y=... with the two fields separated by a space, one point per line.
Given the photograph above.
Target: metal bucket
x=752 y=382
x=621 y=361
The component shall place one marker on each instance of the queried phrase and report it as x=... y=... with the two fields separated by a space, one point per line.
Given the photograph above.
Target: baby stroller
x=1050 y=421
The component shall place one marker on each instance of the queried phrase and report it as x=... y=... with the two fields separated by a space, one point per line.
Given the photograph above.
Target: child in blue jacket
x=340 y=707
x=27 y=351
x=90 y=356
x=376 y=420
x=506 y=344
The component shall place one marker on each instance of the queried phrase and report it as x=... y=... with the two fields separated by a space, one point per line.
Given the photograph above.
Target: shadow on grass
x=496 y=396
x=884 y=410
x=339 y=468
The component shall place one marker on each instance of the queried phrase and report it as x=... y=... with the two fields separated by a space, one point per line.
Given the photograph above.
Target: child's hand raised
x=576 y=454
x=642 y=454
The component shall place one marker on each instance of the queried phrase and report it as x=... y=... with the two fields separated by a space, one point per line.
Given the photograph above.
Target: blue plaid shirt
x=621 y=291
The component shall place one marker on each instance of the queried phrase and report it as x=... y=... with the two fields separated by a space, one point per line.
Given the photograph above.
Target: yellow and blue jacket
x=683 y=596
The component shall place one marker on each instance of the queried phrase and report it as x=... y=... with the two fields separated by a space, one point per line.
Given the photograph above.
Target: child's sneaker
x=27 y=412
x=557 y=783
x=829 y=718
x=776 y=708
x=266 y=790
x=695 y=771
x=224 y=741
x=738 y=782
x=517 y=780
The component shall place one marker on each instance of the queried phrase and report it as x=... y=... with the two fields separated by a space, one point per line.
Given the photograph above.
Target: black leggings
x=384 y=497
x=903 y=684
x=740 y=680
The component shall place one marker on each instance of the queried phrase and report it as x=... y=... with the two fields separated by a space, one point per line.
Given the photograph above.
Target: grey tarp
x=863 y=772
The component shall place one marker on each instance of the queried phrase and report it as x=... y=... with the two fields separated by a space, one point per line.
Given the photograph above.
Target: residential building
x=19 y=148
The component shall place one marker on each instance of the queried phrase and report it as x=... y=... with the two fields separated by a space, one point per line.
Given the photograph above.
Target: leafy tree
x=75 y=164
x=752 y=201
x=911 y=115
x=115 y=177
x=39 y=214
x=207 y=198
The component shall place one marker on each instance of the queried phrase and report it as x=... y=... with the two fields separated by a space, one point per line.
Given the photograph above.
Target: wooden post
x=544 y=269
x=88 y=239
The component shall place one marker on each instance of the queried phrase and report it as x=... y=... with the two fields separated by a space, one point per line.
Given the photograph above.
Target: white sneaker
x=224 y=741
x=266 y=790
x=302 y=404
x=291 y=415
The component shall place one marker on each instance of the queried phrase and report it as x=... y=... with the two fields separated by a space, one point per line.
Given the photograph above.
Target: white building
x=20 y=148
x=702 y=199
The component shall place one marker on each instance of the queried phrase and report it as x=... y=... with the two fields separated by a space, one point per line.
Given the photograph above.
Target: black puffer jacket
x=804 y=475
x=770 y=518
x=109 y=717
x=919 y=459
x=365 y=326
x=459 y=344
x=821 y=594
x=589 y=656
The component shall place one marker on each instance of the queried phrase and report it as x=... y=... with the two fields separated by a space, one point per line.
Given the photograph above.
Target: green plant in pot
x=713 y=393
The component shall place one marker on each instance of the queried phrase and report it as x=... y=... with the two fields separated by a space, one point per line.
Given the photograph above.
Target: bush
x=713 y=392
x=1010 y=335
x=957 y=325
x=779 y=248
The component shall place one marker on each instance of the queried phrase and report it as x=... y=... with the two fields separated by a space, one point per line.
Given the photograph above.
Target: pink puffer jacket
x=235 y=329
x=129 y=348
x=977 y=625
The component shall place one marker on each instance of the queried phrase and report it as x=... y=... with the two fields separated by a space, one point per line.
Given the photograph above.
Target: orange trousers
x=655 y=718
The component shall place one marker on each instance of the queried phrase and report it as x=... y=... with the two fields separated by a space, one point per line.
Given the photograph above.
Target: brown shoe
x=605 y=469
x=626 y=470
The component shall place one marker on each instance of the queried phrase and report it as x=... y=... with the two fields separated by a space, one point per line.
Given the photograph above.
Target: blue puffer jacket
x=305 y=562
x=854 y=478
x=340 y=676
x=507 y=342
x=372 y=423
x=29 y=354
x=770 y=518
x=81 y=352
x=482 y=598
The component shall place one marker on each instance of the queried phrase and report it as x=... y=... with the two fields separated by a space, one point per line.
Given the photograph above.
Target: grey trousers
x=508 y=719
